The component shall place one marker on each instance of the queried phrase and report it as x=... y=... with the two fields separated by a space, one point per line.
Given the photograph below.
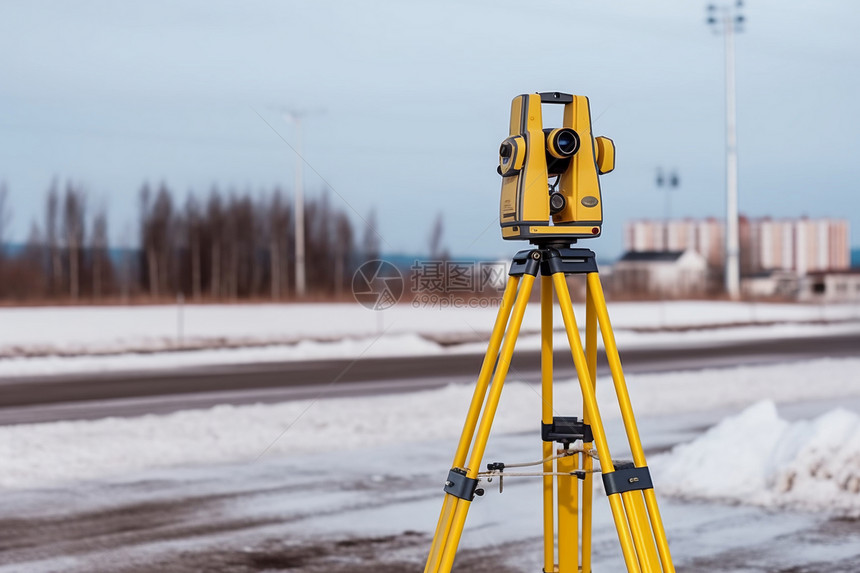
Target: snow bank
x=51 y=453
x=386 y=346
x=759 y=458
x=37 y=455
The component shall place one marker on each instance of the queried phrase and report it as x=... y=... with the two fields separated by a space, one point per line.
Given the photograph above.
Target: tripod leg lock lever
x=627 y=479
x=461 y=486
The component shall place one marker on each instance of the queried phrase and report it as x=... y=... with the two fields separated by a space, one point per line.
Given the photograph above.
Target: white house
x=666 y=273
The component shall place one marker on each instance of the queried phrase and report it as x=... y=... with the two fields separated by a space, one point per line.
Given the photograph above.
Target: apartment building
x=802 y=245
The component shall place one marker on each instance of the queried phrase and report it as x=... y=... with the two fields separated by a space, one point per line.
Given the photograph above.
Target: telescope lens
x=566 y=143
x=561 y=143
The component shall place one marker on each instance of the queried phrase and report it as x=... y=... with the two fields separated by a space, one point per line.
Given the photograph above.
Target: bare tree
x=23 y=276
x=194 y=223
x=164 y=236
x=371 y=238
x=280 y=242
x=436 y=237
x=215 y=224
x=274 y=229
x=240 y=247
x=5 y=219
x=158 y=239
x=341 y=251
x=239 y=234
x=229 y=254
x=147 y=242
x=52 y=206
x=99 y=252
x=128 y=282
x=74 y=207
x=5 y=212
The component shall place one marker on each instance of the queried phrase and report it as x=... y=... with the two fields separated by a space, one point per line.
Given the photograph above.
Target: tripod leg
x=596 y=293
x=546 y=418
x=487 y=366
x=568 y=515
x=445 y=518
x=591 y=410
x=461 y=504
x=587 y=461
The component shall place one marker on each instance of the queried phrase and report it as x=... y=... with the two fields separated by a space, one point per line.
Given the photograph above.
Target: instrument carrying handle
x=555 y=97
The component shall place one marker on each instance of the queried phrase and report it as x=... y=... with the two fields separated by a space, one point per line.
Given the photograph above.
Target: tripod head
x=569 y=208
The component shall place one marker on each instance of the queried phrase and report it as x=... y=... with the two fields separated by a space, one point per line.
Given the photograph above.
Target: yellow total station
x=550 y=183
x=552 y=215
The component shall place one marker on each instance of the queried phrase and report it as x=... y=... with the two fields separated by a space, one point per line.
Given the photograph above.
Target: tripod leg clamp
x=461 y=486
x=627 y=479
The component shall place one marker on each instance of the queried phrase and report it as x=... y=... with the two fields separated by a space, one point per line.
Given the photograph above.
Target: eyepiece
x=561 y=142
x=557 y=203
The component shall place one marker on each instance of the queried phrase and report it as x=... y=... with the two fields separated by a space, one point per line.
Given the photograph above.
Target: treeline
x=216 y=246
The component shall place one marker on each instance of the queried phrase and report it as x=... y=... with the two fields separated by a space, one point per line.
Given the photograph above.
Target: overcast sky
x=412 y=99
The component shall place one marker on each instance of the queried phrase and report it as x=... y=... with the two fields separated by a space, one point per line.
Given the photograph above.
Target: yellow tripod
x=628 y=485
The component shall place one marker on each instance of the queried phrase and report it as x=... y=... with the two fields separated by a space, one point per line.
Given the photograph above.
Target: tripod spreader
x=566 y=430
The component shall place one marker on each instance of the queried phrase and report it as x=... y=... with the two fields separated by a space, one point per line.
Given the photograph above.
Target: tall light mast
x=727 y=20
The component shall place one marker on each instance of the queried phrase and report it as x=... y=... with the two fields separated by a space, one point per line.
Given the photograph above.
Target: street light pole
x=295 y=117
x=301 y=286
x=670 y=181
x=729 y=22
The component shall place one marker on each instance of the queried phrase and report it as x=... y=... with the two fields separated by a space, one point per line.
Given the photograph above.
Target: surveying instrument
x=553 y=215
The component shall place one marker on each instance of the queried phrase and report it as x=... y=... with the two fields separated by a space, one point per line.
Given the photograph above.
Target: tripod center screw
x=536 y=255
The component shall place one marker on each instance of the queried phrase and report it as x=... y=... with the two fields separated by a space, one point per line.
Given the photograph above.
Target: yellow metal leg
x=593 y=413
x=624 y=536
x=643 y=539
x=659 y=531
x=441 y=534
x=449 y=505
x=546 y=418
x=640 y=541
x=458 y=521
x=587 y=461
x=596 y=294
x=486 y=371
x=568 y=516
x=615 y=367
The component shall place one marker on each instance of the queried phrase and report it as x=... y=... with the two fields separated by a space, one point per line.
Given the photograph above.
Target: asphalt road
x=82 y=396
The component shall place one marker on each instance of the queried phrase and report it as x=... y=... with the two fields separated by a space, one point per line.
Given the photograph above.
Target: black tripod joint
x=553 y=258
x=461 y=486
x=627 y=477
x=566 y=430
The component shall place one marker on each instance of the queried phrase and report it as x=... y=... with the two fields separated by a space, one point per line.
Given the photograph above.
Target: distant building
x=661 y=273
x=799 y=245
x=832 y=286
x=770 y=284
x=705 y=236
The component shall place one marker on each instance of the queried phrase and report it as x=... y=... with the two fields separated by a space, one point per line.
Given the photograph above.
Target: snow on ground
x=37 y=455
x=757 y=457
x=44 y=341
x=75 y=330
